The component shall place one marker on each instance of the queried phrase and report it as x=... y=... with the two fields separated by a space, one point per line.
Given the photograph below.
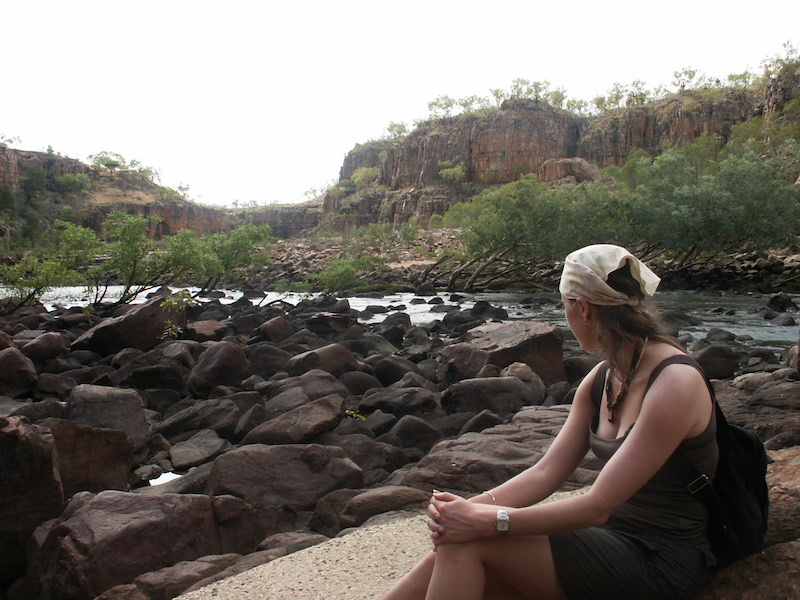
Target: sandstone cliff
x=127 y=191
x=522 y=136
x=519 y=137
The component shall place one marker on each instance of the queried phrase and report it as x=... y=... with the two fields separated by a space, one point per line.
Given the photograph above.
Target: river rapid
x=738 y=314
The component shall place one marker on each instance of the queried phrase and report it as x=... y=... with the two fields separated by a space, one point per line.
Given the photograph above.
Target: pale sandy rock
x=359 y=566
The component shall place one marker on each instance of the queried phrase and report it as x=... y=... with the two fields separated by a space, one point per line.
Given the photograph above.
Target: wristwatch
x=502 y=523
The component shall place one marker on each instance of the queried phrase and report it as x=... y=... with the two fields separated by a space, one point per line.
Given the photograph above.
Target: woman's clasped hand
x=453 y=519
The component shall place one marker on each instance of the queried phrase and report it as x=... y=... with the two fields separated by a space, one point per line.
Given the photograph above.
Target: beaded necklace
x=636 y=360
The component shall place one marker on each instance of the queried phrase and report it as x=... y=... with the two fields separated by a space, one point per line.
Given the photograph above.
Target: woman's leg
x=414 y=584
x=507 y=568
x=467 y=571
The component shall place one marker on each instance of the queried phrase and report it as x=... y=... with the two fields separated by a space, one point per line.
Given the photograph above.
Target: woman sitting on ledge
x=637 y=533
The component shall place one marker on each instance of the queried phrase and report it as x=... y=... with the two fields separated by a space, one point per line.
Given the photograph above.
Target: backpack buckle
x=698 y=484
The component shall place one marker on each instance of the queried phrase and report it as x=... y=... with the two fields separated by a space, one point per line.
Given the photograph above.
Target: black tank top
x=663 y=505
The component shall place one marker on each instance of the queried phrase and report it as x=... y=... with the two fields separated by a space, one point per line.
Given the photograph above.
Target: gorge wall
x=127 y=191
x=496 y=147
x=523 y=136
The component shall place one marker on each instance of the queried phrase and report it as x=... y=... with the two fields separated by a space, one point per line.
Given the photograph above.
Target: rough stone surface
x=538 y=345
x=108 y=539
x=30 y=492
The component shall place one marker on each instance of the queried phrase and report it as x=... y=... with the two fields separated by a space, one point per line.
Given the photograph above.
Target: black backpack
x=738 y=499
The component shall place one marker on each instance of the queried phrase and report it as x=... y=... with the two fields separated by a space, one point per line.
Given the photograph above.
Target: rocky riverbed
x=294 y=425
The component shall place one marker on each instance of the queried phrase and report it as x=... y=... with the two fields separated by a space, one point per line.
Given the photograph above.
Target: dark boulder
x=91 y=459
x=17 y=373
x=301 y=424
x=281 y=482
x=30 y=492
x=109 y=408
x=223 y=363
x=109 y=539
x=501 y=395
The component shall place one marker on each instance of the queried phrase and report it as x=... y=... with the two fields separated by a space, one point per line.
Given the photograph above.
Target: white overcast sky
x=261 y=100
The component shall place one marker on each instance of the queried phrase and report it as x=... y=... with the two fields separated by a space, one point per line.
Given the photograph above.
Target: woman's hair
x=627 y=323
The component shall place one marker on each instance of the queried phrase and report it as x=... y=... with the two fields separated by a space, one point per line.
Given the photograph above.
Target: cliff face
x=127 y=191
x=496 y=148
x=290 y=220
x=519 y=138
x=608 y=139
x=166 y=218
x=14 y=163
x=523 y=136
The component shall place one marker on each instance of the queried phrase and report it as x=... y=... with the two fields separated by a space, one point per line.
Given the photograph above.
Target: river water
x=734 y=313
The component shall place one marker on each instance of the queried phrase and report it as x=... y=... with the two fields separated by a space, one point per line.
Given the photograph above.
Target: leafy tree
x=8 y=198
x=755 y=187
x=691 y=210
x=557 y=97
x=108 y=160
x=340 y=274
x=592 y=214
x=140 y=263
x=32 y=276
x=471 y=104
x=499 y=95
x=396 y=130
x=684 y=79
x=636 y=94
x=600 y=103
x=628 y=176
x=462 y=214
x=243 y=247
x=533 y=90
x=6 y=140
x=76 y=246
x=35 y=181
x=766 y=135
x=518 y=223
x=441 y=106
x=130 y=253
x=785 y=64
x=436 y=221
x=579 y=107
x=55 y=262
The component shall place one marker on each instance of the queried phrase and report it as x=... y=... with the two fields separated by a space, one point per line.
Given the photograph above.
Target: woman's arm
x=559 y=462
x=666 y=418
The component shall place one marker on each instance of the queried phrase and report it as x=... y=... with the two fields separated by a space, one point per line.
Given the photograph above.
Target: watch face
x=502 y=522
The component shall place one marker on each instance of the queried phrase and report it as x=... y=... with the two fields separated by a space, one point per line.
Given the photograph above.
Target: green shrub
x=365 y=176
x=341 y=274
x=74 y=183
x=436 y=222
x=453 y=175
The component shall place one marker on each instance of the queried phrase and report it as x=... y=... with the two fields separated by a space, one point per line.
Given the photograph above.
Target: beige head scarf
x=586 y=271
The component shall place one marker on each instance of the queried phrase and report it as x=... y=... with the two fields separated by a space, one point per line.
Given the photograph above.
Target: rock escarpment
x=523 y=136
x=39 y=174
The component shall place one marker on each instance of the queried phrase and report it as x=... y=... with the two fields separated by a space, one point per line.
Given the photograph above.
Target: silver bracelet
x=491 y=495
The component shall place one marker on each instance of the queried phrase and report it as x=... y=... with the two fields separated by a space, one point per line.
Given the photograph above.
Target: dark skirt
x=602 y=563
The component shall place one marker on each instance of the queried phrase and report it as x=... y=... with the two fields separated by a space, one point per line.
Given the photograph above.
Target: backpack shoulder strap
x=598 y=384
x=696 y=482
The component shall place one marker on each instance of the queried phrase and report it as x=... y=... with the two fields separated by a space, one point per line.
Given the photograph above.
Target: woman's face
x=580 y=318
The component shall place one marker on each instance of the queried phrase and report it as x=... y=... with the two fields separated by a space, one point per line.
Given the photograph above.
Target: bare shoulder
x=680 y=387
